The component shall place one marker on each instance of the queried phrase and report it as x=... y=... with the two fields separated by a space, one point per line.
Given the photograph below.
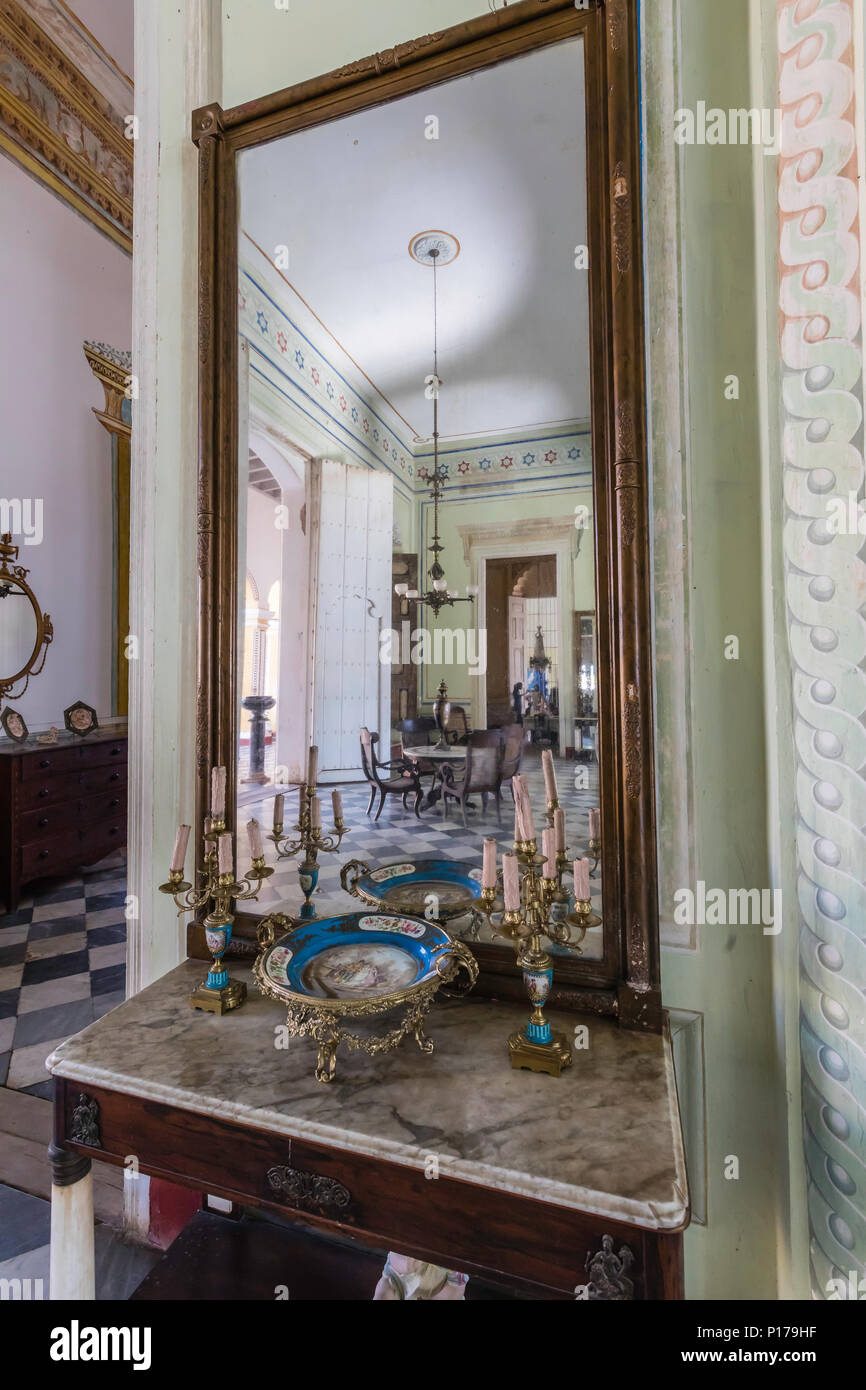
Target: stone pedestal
x=258 y=705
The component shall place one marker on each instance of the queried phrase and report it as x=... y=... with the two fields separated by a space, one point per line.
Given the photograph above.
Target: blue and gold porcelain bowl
x=359 y=965
x=437 y=889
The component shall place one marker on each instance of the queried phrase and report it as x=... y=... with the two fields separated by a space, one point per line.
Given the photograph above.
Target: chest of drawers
x=61 y=805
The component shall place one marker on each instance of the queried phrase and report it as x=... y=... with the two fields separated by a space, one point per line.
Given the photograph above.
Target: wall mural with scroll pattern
x=825 y=577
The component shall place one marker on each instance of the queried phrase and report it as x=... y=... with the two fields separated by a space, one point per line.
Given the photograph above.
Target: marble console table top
x=603 y=1138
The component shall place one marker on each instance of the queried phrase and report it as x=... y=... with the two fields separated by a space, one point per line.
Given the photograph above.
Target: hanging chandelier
x=435 y=249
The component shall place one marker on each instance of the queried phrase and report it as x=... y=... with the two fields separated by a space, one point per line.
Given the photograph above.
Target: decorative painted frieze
x=60 y=127
x=331 y=391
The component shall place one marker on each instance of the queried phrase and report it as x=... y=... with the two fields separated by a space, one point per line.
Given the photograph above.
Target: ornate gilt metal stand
x=310 y=839
x=537 y=1046
x=219 y=993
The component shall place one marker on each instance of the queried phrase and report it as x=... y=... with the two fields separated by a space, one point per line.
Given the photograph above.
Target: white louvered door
x=351 y=544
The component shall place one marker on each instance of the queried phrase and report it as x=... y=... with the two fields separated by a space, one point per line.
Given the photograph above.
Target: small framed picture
x=13 y=725
x=80 y=718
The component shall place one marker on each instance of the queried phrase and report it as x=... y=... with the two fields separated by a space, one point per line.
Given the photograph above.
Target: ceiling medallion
x=446 y=246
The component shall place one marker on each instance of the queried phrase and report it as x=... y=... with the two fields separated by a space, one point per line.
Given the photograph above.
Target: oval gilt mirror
x=25 y=631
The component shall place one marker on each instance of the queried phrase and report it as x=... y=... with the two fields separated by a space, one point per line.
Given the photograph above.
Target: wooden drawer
x=47 y=823
x=62 y=790
x=42 y=858
x=104 y=779
x=54 y=762
x=448 y=1221
x=44 y=767
x=105 y=806
x=103 y=754
x=102 y=839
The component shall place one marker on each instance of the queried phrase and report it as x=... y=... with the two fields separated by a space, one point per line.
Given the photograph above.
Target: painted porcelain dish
x=408 y=886
x=359 y=966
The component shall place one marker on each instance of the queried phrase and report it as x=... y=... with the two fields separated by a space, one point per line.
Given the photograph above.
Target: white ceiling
x=507 y=177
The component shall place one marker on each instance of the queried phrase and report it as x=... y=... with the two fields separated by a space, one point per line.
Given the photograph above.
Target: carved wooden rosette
x=626 y=982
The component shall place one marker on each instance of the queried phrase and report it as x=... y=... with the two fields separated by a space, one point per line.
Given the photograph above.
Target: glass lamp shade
x=401 y=589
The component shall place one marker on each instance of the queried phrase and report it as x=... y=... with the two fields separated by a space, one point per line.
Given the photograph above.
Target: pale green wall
x=729 y=979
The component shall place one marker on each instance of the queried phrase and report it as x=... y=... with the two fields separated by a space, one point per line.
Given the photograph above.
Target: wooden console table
x=559 y=1188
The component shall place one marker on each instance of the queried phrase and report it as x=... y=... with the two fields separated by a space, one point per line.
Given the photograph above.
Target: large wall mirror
x=422 y=512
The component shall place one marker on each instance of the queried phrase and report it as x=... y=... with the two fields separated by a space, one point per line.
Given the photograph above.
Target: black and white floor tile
x=62 y=965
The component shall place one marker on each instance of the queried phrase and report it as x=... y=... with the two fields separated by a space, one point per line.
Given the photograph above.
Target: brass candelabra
x=218 y=993
x=308 y=835
x=533 y=904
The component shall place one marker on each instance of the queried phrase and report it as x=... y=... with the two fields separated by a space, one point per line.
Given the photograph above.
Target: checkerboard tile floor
x=62 y=965
x=399 y=835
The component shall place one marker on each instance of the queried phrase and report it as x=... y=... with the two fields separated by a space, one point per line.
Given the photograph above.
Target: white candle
x=315 y=813
x=279 y=803
x=520 y=804
x=218 y=793
x=549 y=774
x=527 y=817
x=559 y=827
x=181 y=840
x=518 y=827
x=337 y=803
x=302 y=802
x=207 y=825
x=312 y=766
x=511 y=882
x=595 y=824
x=548 y=849
x=225 y=859
x=254 y=834
x=488 y=864
x=581 y=880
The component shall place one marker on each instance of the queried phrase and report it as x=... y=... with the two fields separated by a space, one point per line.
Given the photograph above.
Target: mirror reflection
x=416 y=578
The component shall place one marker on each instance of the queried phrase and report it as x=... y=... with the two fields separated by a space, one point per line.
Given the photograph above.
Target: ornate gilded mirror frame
x=625 y=982
x=13 y=578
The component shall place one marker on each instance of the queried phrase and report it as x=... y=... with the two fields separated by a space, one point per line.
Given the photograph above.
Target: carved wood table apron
x=556 y=1187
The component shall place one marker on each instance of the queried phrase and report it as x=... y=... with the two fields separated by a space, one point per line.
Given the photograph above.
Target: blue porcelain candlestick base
x=309 y=839
x=218 y=994
x=308 y=875
x=536 y=1045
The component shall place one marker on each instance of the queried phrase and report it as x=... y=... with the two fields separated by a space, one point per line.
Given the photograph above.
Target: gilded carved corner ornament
x=113 y=370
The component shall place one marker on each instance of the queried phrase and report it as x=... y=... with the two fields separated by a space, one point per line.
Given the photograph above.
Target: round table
x=431 y=753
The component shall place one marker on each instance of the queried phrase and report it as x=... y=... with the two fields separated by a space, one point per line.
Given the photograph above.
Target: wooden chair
x=480 y=773
x=457 y=726
x=513 y=736
x=400 y=783
x=415 y=733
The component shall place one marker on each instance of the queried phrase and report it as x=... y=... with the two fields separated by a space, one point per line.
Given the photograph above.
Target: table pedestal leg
x=72 y=1246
